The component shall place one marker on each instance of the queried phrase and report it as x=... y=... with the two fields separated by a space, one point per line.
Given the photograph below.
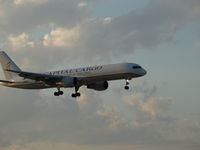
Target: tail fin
x=8 y=64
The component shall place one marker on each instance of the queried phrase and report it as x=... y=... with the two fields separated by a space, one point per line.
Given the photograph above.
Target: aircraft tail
x=8 y=64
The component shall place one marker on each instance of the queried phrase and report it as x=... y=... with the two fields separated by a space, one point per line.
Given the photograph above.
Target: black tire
x=61 y=92
x=56 y=94
x=74 y=95
x=78 y=94
x=126 y=87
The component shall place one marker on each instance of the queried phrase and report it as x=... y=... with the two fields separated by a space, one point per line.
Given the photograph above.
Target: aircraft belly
x=109 y=77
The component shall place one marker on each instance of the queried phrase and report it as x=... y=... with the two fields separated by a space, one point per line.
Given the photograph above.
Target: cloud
x=33 y=13
x=88 y=102
x=22 y=2
x=152 y=107
x=67 y=120
x=111 y=117
x=82 y=4
x=20 y=41
x=98 y=39
x=107 y=20
x=153 y=114
x=158 y=23
x=62 y=37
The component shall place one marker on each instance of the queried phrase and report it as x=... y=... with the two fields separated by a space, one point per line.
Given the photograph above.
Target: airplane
x=94 y=77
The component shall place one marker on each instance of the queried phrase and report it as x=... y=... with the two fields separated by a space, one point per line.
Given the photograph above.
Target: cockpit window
x=137 y=67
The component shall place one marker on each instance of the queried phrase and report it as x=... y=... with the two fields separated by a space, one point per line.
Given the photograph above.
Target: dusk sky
x=161 y=111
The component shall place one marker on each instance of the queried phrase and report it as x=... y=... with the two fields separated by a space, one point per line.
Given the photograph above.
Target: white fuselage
x=90 y=75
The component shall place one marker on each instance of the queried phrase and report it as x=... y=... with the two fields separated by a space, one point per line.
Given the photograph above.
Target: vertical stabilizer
x=8 y=64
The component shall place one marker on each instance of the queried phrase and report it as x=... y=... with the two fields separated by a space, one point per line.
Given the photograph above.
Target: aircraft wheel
x=126 y=87
x=60 y=92
x=74 y=95
x=78 y=94
x=56 y=94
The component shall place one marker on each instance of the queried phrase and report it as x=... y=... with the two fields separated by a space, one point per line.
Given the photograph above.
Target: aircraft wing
x=38 y=76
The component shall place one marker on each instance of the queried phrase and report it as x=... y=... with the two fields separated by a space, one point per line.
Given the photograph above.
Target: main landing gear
x=76 y=94
x=58 y=93
x=126 y=87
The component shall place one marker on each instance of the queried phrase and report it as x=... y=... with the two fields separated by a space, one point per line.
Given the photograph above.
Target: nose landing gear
x=126 y=87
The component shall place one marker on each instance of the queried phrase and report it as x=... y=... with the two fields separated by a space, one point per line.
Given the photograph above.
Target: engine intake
x=98 y=86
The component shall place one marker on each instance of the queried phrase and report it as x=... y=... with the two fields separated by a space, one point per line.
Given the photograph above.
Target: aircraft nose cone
x=143 y=72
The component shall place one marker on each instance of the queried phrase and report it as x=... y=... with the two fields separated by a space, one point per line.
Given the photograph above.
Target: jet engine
x=98 y=86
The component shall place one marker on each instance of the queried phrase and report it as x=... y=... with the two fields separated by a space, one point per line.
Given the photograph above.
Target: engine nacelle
x=67 y=82
x=98 y=86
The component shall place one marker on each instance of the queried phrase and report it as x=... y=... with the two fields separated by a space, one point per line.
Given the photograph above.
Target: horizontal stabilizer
x=15 y=71
x=3 y=81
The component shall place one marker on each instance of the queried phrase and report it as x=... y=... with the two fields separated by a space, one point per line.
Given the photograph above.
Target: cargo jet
x=95 y=77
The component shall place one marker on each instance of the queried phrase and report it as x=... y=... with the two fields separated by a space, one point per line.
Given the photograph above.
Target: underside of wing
x=53 y=80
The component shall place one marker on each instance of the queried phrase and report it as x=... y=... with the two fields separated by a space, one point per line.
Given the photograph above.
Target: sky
x=161 y=110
